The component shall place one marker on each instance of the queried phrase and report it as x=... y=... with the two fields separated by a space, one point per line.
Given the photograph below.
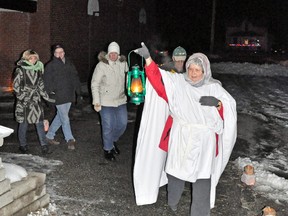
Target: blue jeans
x=61 y=119
x=114 y=123
x=22 y=131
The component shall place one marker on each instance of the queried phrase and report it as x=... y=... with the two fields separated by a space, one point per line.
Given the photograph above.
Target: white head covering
x=201 y=60
x=113 y=47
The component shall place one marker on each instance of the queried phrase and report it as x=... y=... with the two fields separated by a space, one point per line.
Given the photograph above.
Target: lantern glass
x=136 y=85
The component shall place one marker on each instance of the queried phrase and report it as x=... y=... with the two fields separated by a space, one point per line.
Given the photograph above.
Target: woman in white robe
x=201 y=138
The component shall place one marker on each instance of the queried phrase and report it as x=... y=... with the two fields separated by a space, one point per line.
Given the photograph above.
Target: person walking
x=62 y=81
x=197 y=145
x=109 y=98
x=28 y=86
x=177 y=64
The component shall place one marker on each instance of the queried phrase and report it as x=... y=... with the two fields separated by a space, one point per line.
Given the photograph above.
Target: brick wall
x=67 y=22
x=20 y=31
x=85 y=36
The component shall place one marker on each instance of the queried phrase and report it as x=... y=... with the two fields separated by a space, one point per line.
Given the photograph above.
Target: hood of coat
x=103 y=57
x=201 y=60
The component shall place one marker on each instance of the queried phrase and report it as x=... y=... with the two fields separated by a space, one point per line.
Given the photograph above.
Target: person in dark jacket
x=28 y=87
x=61 y=80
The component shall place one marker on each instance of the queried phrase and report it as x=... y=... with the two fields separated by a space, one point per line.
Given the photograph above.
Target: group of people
x=57 y=83
x=188 y=125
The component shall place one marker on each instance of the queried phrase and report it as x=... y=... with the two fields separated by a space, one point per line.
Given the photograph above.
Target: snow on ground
x=266 y=168
x=250 y=69
x=268 y=183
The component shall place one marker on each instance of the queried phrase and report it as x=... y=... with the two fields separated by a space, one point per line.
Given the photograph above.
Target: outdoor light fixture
x=136 y=83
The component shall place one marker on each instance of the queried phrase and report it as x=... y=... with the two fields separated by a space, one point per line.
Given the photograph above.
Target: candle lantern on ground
x=248 y=176
x=268 y=211
x=136 y=83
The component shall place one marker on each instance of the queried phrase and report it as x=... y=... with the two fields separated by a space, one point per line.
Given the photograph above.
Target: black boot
x=23 y=149
x=109 y=155
x=115 y=149
x=45 y=150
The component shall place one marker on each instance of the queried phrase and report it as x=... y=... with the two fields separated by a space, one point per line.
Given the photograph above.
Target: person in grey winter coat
x=109 y=98
x=28 y=87
x=62 y=81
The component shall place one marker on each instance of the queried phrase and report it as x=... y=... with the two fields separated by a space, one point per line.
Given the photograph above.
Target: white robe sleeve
x=149 y=173
x=226 y=141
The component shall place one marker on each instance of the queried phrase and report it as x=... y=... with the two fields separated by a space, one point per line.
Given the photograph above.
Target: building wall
x=82 y=35
x=20 y=31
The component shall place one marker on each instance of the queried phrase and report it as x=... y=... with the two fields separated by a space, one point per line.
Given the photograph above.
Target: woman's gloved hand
x=209 y=101
x=51 y=100
x=143 y=51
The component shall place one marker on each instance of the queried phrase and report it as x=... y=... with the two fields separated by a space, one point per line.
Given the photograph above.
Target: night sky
x=188 y=22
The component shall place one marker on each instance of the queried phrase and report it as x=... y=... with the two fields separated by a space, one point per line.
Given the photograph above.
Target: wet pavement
x=87 y=184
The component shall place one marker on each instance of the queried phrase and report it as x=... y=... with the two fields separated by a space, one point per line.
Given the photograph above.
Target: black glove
x=209 y=101
x=143 y=51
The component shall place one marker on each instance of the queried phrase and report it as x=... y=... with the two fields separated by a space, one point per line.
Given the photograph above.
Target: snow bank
x=249 y=69
x=14 y=172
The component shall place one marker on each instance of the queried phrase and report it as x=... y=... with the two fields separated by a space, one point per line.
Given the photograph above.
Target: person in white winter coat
x=109 y=98
x=198 y=139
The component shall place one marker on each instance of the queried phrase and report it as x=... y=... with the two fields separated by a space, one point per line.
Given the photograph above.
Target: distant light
x=244 y=45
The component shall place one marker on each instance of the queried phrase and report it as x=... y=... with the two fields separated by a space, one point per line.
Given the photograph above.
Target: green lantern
x=136 y=84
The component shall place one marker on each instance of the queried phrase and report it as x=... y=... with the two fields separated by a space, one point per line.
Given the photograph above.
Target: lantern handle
x=129 y=59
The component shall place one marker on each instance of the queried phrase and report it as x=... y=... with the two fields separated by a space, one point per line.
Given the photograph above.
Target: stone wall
x=22 y=197
x=20 y=31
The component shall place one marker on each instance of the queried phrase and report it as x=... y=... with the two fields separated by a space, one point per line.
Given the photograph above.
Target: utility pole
x=213 y=26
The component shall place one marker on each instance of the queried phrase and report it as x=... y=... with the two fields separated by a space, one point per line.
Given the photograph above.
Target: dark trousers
x=200 y=195
x=22 y=132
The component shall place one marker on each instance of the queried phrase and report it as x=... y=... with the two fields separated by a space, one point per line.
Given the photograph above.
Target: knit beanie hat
x=179 y=54
x=113 y=47
x=56 y=46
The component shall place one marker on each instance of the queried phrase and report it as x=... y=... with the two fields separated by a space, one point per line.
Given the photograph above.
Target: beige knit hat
x=113 y=47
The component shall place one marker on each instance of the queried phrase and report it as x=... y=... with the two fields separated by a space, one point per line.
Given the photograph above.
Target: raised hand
x=143 y=51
